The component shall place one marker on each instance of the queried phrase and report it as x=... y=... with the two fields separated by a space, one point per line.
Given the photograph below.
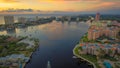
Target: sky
x=110 y=6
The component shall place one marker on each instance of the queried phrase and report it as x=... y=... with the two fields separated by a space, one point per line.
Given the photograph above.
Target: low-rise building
x=22 y=20
x=94 y=48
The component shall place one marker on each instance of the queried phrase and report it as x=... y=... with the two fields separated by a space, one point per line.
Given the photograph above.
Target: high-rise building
x=21 y=20
x=95 y=32
x=37 y=18
x=97 y=18
x=9 y=20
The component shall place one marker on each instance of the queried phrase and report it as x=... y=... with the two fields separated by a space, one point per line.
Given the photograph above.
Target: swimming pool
x=107 y=64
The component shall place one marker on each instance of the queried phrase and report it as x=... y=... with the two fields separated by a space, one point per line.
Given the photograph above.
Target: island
x=100 y=46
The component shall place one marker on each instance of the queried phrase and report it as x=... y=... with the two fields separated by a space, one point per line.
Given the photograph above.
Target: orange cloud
x=104 y=5
x=107 y=4
x=60 y=5
x=69 y=0
x=8 y=1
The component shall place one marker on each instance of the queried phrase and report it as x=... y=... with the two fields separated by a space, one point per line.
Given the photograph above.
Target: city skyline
x=86 y=6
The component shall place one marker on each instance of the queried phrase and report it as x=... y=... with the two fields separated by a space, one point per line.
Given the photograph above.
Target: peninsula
x=100 y=46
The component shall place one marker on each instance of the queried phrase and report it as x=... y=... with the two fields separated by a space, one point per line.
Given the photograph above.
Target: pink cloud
x=105 y=5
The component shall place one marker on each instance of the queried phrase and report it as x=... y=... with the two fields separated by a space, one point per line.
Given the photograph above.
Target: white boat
x=74 y=57
x=48 y=64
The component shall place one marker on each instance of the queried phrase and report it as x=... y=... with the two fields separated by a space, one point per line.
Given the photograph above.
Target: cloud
x=69 y=0
x=81 y=0
x=18 y=10
x=105 y=5
x=9 y=1
x=65 y=0
x=60 y=5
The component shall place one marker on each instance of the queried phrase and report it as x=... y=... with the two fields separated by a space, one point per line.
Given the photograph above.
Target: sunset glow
x=61 y=5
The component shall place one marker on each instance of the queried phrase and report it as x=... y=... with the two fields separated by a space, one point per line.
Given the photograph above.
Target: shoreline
x=30 y=57
x=24 y=65
x=82 y=57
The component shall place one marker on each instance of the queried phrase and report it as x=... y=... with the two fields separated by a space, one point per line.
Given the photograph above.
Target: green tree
x=1 y=48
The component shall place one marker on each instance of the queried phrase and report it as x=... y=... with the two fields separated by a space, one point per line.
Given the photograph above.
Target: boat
x=48 y=64
x=74 y=57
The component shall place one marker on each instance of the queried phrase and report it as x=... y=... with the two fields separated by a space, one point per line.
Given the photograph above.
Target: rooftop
x=97 y=45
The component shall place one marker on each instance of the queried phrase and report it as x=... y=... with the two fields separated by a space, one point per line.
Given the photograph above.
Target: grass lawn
x=26 y=53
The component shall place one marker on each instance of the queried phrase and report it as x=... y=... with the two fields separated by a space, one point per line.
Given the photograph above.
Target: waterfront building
x=22 y=20
x=94 y=48
x=68 y=18
x=89 y=49
x=9 y=20
x=37 y=18
x=118 y=50
x=115 y=23
x=31 y=20
x=95 y=32
x=106 y=50
x=113 y=51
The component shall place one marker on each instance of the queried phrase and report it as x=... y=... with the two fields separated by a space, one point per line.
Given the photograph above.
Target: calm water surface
x=57 y=41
